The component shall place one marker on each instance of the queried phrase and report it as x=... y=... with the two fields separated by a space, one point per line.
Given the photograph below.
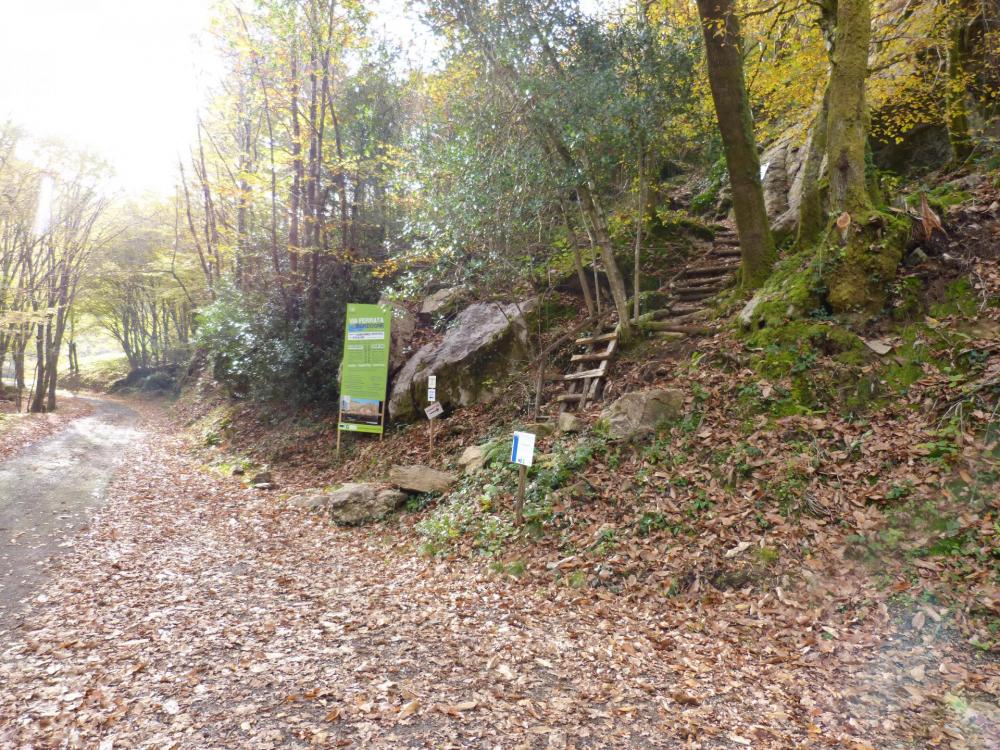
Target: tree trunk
x=38 y=397
x=640 y=214
x=847 y=124
x=812 y=216
x=581 y=273
x=615 y=279
x=958 y=114
x=723 y=51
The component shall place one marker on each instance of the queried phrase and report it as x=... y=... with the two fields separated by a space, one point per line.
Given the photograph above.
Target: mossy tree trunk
x=812 y=210
x=723 y=52
x=847 y=123
x=870 y=243
x=957 y=107
x=812 y=215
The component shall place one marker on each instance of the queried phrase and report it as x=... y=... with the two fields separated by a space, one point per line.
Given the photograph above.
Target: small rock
x=539 y=429
x=309 y=501
x=416 y=478
x=747 y=313
x=238 y=471
x=473 y=458
x=263 y=477
x=263 y=486
x=915 y=258
x=352 y=503
x=641 y=412
x=569 y=422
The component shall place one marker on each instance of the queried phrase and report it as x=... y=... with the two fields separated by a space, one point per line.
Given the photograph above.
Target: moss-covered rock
x=795 y=289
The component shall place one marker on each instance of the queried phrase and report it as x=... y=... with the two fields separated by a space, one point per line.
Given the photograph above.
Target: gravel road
x=48 y=494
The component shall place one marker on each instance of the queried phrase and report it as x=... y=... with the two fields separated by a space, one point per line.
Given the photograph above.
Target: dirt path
x=49 y=491
x=200 y=614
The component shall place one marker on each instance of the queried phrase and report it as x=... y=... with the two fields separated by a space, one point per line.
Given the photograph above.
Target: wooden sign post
x=433 y=411
x=522 y=453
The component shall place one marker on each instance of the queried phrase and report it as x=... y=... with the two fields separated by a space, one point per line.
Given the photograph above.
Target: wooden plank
x=719 y=269
x=592 y=357
x=695 y=288
x=597 y=372
x=666 y=325
x=566 y=397
x=598 y=339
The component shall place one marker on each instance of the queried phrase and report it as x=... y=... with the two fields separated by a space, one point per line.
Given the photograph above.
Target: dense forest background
x=543 y=137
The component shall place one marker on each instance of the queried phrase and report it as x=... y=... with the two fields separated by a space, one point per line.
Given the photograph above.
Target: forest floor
x=199 y=613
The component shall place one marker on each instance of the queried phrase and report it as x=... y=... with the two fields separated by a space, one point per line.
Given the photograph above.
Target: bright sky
x=125 y=78
x=117 y=76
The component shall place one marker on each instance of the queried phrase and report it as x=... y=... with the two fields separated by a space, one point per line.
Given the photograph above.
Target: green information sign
x=366 y=368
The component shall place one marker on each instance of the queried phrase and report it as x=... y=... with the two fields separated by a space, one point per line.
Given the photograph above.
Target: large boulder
x=482 y=344
x=353 y=503
x=404 y=325
x=641 y=412
x=782 y=164
x=416 y=478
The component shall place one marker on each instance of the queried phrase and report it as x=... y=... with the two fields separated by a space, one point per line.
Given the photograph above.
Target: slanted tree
x=723 y=52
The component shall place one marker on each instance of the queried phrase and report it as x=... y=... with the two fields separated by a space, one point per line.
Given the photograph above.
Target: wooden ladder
x=583 y=383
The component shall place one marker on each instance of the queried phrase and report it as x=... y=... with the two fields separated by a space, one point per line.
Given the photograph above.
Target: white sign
x=435 y=410
x=432 y=394
x=432 y=382
x=522 y=451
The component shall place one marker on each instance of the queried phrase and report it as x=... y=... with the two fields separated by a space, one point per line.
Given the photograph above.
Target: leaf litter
x=199 y=613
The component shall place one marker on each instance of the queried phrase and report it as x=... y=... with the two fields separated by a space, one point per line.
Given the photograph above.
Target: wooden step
x=608 y=352
x=710 y=270
x=681 y=319
x=592 y=357
x=604 y=337
x=569 y=397
x=667 y=326
x=726 y=240
x=688 y=309
x=689 y=296
x=726 y=252
x=597 y=372
x=713 y=287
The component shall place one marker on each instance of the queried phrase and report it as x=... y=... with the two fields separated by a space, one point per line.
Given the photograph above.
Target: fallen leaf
x=878 y=346
x=408 y=709
x=739 y=548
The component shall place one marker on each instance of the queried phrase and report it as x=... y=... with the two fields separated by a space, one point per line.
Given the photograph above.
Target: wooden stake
x=522 y=474
x=340 y=415
x=430 y=429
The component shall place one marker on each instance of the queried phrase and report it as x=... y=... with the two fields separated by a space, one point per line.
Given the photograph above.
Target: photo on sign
x=360 y=410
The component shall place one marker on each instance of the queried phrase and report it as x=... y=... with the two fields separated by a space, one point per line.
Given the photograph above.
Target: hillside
x=828 y=491
x=501 y=374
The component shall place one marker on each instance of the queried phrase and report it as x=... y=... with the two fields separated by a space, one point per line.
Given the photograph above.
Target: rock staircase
x=688 y=293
